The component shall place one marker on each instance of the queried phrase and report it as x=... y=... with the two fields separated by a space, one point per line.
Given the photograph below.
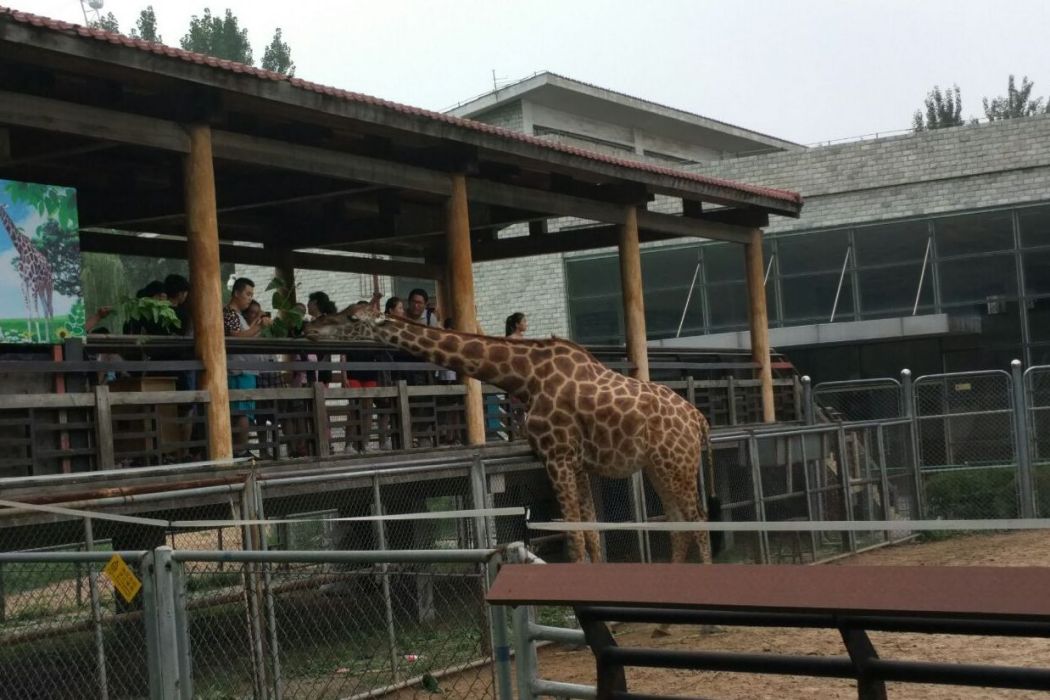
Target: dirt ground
x=1008 y=549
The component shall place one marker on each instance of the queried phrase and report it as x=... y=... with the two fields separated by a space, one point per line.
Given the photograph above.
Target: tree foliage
x=943 y=109
x=278 y=56
x=1016 y=103
x=62 y=248
x=146 y=27
x=59 y=203
x=221 y=37
x=108 y=23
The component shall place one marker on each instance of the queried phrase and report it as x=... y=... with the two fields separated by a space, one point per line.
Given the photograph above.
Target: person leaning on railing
x=236 y=326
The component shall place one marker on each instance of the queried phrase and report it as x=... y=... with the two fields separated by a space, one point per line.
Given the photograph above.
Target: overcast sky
x=802 y=70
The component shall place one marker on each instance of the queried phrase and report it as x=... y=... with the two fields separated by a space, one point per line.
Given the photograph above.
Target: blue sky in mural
x=11 y=300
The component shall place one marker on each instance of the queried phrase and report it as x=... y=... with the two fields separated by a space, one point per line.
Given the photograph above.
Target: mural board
x=41 y=294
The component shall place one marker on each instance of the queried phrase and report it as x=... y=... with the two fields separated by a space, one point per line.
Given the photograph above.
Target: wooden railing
x=94 y=425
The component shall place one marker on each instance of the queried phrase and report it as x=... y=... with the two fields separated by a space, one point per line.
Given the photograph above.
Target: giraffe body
x=36 y=275
x=583 y=418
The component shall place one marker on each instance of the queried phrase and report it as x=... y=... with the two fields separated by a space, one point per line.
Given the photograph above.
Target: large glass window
x=595 y=302
x=1037 y=271
x=728 y=305
x=723 y=262
x=811 y=298
x=973 y=233
x=892 y=243
x=1035 y=226
x=822 y=251
x=668 y=275
x=976 y=279
x=894 y=288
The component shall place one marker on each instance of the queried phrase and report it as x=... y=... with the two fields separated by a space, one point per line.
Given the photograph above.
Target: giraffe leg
x=680 y=495
x=588 y=515
x=561 y=470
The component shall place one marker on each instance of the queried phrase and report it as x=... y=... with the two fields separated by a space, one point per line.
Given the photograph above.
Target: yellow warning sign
x=123 y=578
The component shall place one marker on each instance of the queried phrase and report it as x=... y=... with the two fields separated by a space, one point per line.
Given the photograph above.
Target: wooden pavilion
x=228 y=162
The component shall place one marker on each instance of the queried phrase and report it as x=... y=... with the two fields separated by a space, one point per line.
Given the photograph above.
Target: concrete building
x=927 y=250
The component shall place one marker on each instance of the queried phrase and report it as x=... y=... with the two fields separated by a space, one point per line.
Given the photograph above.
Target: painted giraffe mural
x=583 y=418
x=37 y=282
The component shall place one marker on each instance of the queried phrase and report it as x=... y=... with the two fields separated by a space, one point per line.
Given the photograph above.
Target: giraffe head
x=355 y=322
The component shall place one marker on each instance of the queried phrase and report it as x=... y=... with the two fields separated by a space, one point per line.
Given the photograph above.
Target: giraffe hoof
x=662 y=631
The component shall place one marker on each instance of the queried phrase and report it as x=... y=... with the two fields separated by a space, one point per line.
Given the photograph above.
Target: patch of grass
x=16 y=330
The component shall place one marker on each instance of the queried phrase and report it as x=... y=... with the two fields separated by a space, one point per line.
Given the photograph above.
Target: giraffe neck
x=18 y=239
x=504 y=363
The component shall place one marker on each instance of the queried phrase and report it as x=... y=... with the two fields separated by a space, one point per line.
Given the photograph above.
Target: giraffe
x=583 y=419
x=35 y=271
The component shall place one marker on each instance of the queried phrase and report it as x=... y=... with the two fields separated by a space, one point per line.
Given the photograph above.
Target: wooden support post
x=284 y=269
x=104 y=428
x=633 y=305
x=460 y=282
x=444 y=298
x=202 y=234
x=321 y=425
x=759 y=320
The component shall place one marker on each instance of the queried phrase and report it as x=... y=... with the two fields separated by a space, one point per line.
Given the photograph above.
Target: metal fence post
x=524 y=646
x=807 y=399
x=847 y=488
x=912 y=413
x=166 y=627
x=760 y=504
x=1024 y=464
x=256 y=488
x=640 y=514
x=388 y=601
x=96 y=614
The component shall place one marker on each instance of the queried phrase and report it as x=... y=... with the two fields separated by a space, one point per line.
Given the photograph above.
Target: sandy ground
x=1010 y=549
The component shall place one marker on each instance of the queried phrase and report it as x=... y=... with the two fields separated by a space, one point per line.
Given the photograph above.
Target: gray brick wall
x=344 y=288
x=933 y=172
x=508 y=116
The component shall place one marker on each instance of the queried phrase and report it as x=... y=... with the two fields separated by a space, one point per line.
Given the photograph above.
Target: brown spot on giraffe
x=583 y=419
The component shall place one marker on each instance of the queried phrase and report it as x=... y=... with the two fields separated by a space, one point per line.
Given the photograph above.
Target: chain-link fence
x=264 y=625
x=1037 y=406
x=66 y=633
x=864 y=399
x=967 y=444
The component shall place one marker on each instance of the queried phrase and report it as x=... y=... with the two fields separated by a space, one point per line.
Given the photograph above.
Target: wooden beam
x=326 y=162
x=202 y=233
x=694 y=228
x=120 y=244
x=633 y=304
x=759 y=322
x=460 y=283
x=71 y=118
x=587 y=238
x=19 y=109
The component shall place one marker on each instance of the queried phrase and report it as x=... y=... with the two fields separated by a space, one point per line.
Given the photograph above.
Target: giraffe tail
x=714 y=503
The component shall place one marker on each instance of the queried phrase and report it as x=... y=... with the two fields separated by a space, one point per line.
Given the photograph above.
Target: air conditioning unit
x=996 y=304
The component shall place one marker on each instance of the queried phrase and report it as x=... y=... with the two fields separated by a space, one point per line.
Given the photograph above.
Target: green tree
x=108 y=23
x=146 y=27
x=59 y=203
x=278 y=56
x=62 y=248
x=942 y=110
x=1017 y=102
x=105 y=284
x=219 y=37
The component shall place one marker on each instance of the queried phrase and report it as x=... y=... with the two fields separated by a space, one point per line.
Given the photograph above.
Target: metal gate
x=967 y=444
